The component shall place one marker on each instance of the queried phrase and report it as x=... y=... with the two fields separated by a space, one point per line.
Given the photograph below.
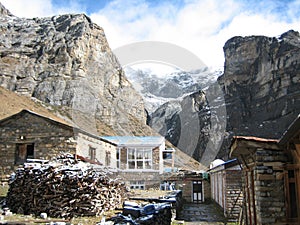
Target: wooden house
x=26 y=135
x=271 y=177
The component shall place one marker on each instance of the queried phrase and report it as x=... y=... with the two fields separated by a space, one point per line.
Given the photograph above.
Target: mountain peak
x=4 y=11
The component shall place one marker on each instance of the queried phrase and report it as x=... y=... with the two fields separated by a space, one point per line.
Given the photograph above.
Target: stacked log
x=64 y=188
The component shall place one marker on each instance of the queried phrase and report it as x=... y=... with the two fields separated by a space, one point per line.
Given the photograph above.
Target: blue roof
x=135 y=141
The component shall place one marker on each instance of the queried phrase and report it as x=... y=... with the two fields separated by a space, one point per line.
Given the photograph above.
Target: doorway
x=23 y=152
x=197 y=191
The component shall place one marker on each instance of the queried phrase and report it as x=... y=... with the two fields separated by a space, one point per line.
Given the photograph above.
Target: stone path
x=202 y=214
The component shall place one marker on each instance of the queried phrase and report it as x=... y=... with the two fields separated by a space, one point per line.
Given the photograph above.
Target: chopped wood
x=64 y=188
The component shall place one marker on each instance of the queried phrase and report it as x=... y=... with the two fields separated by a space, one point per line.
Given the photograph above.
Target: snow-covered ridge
x=158 y=89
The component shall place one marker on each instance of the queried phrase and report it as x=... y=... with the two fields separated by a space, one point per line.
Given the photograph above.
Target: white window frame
x=92 y=153
x=118 y=158
x=137 y=160
x=137 y=184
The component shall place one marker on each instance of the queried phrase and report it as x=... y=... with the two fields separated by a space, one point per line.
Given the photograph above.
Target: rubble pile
x=64 y=188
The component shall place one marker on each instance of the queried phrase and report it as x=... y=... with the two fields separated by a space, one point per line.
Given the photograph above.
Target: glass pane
x=197 y=187
x=139 y=154
x=148 y=165
x=131 y=154
x=167 y=155
x=148 y=154
x=131 y=165
x=118 y=154
x=139 y=164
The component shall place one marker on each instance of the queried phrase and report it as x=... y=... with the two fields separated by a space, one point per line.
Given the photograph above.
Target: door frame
x=202 y=191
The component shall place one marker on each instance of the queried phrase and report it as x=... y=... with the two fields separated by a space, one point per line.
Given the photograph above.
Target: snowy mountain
x=158 y=89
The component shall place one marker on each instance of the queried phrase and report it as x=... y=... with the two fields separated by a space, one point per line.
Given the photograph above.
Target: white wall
x=84 y=142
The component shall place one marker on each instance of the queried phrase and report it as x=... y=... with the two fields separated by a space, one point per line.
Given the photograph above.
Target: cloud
x=200 y=26
x=40 y=8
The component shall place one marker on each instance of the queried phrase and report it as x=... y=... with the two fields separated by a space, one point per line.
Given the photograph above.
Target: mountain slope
x=63 y=68
x=259 y=87
x=261 y=83
x=65 y=61
x=159 y=89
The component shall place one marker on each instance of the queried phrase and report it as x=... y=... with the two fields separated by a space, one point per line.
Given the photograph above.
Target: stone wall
x=155 y=158
x=66 y=61
x=105 y=153
x=264 y=185
x=226 y=190
x=149 y=178
x=186 y=186
x=233 y=194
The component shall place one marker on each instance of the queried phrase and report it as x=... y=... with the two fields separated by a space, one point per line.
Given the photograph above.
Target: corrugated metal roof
x=135 y=140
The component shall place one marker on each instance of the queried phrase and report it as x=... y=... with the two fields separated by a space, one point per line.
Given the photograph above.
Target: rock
x=4 y=11
x=260 y=88
x=157 y=90
x=261 y=84
x=65 y=61
x=184 y=123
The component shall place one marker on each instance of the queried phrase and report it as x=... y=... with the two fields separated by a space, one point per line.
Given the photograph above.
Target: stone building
x=139 y=160
x=226 y=187
x=194 y=185
x=271 y=177
x=28 y=135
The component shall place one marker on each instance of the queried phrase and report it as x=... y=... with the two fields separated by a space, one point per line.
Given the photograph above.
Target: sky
x=200 y=26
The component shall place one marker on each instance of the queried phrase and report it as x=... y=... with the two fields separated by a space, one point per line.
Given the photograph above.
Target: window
x=23 y=152
x=139 y=158
x=92 y=153
x=137 y=185
x=107 y=158
x=118 y=158
x=167 y=155
x=167 y=186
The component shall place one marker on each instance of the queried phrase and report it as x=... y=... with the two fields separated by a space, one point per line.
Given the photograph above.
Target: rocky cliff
x=261 y=83
x=65 y=61
x=260 y=88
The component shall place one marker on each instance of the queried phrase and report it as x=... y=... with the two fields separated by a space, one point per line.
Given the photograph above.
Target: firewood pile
x=63 y=188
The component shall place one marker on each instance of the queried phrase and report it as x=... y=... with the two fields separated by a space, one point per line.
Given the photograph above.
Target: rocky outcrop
x=196 y=124
x=184 y=123
x=65 y=61
x=260 y=88
x=4 y=11
x=261 y=84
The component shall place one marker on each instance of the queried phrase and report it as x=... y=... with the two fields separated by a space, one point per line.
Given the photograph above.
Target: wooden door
x=197 y=191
